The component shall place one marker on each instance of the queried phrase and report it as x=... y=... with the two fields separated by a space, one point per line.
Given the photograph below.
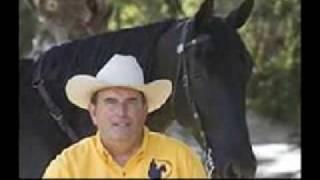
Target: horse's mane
x=87 y=56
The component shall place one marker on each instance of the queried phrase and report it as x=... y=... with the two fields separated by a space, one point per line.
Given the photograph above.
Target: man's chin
x=122 y=137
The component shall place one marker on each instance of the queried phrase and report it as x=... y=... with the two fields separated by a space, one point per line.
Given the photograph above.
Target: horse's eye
x=197 y=75
x=204 y=50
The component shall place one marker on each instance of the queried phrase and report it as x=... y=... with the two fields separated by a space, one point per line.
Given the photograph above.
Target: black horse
x=205 y=58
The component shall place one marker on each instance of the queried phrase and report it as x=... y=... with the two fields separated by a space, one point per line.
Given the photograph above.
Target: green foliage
x=273 y=37
x=132 y=13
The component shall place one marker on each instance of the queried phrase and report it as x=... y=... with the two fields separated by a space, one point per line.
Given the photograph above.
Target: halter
x=54 y=111
x=183 y=63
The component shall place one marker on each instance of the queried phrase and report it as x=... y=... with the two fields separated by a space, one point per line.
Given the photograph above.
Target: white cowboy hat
x=120 y=70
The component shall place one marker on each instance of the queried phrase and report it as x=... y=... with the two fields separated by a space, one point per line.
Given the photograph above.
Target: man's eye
x=133 y=101
x=110 y=101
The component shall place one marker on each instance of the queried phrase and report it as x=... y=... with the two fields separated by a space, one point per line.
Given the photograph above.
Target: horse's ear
x=204 y=13
x=240 y=15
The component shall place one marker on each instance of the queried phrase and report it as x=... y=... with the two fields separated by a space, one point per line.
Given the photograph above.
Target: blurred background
x=272 y=35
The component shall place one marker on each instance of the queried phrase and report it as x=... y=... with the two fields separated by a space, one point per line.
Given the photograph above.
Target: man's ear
x=146 y=111
x=146 y=106
x=92 y=112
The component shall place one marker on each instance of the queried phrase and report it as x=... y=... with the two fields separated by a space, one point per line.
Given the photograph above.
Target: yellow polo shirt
x=159 y=156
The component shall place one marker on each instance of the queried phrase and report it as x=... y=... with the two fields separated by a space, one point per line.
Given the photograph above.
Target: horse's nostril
x=232 y=171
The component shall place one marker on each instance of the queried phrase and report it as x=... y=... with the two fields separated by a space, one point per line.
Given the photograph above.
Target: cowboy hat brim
x=80 y=88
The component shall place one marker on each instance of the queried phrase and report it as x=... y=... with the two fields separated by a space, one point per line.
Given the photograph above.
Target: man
x=118 y=102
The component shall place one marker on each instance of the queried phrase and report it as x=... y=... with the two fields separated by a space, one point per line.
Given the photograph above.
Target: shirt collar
x=105 y=153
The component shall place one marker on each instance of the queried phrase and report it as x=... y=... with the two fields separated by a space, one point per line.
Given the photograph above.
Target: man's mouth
x=121 y=124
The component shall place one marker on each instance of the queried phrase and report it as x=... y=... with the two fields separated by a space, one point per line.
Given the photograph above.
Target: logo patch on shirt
x=159 y=169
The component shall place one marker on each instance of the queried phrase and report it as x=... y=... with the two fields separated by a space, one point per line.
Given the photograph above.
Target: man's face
x=119 y=113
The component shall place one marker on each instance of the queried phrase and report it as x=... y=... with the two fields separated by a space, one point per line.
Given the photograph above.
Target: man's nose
x=122 y=109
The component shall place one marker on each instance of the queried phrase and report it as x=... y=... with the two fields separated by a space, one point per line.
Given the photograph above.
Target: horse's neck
x=167 y=58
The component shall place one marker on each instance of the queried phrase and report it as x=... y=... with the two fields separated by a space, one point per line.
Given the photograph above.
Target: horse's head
x=217 y=68
x=219 y=71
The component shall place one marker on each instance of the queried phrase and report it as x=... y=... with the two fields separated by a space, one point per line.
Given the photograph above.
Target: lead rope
x=54 y=111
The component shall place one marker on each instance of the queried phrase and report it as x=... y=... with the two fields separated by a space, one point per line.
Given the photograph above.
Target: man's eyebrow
x=109 y=98
x=115 y=99
x=135 y=97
